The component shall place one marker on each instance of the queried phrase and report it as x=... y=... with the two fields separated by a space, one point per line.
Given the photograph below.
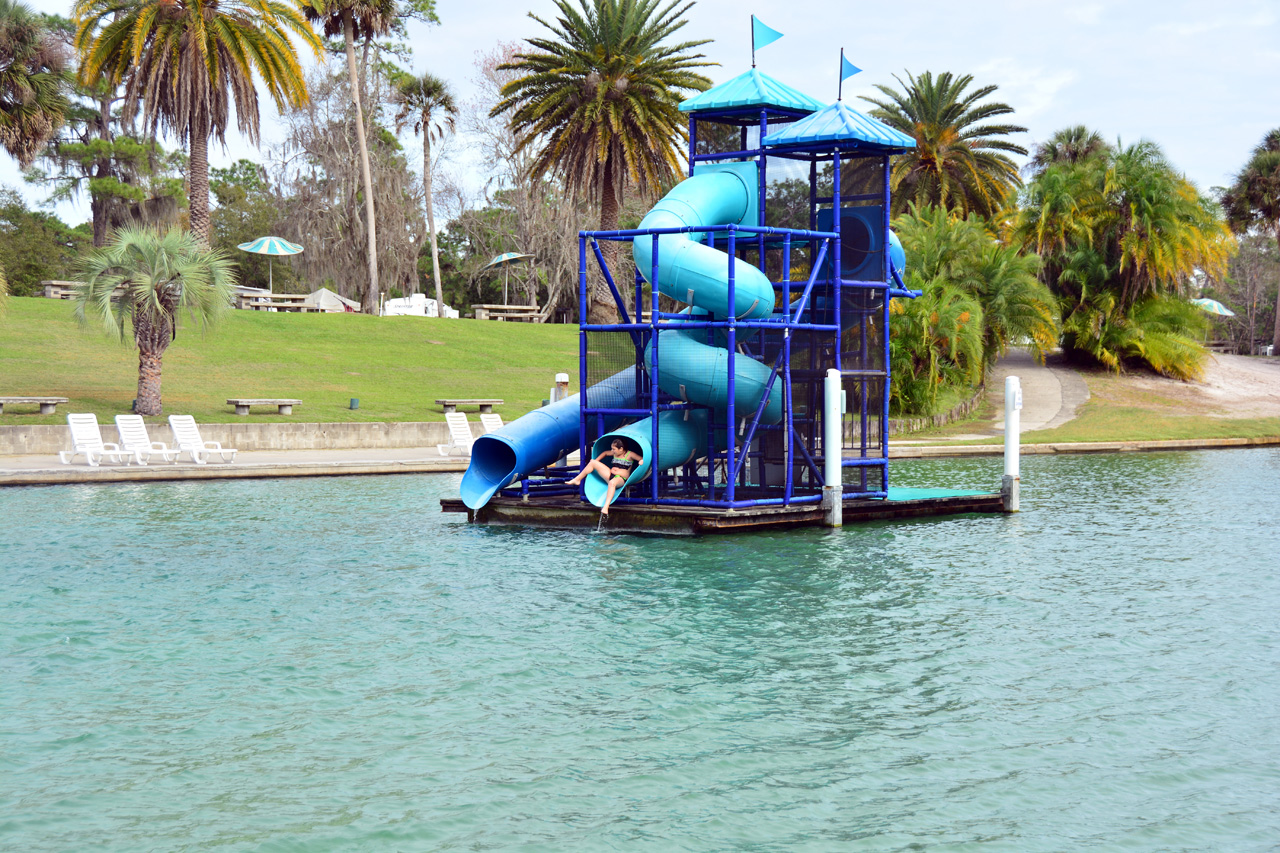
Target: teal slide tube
x=682 y=437
x=538 y=439
x=699 y=373
x=693 y=272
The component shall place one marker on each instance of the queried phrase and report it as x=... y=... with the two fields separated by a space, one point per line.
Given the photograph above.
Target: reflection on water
x=333 y=664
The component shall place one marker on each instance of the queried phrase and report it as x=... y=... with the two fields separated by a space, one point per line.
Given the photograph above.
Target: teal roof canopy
x=839 y=123
x=751 y=89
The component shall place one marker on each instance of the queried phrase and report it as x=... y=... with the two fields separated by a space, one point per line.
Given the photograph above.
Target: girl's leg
x=614 y=482
x=592 y=465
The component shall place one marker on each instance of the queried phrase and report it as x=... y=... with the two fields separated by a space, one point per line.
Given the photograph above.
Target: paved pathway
x=1051 y=395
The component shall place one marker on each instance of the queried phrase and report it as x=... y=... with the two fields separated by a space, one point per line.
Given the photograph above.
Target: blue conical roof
x=751 y=89
x=839 y=123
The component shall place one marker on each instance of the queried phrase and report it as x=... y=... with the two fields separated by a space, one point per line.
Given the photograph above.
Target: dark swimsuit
x=621 y=462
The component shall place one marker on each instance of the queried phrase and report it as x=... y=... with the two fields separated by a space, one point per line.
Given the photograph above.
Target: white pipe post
x=560 y=391
x=1012 y=480
x=832 y=446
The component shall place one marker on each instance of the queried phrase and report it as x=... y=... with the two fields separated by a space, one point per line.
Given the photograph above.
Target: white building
x=417 y=305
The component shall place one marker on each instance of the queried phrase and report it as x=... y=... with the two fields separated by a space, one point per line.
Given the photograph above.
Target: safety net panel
x=610 y=353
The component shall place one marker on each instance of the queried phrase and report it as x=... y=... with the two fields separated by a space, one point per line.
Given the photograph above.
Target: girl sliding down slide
x=615 y=474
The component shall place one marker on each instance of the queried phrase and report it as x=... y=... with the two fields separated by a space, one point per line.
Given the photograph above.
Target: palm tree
x=1069 y=145
x=600 y=102
x=183 y=61
x=362 y=19
x=1253 y=199
x=934 y=340
x=162 y=276
x=427 y=102
x=960 y=160
x=1016 y=304
x=33 y=101
x=1123 y=235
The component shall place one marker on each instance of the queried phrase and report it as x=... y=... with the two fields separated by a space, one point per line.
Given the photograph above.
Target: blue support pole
x=884 y=411
x=582 y=349
x=693 y=143
x=839 y=271
x=787 y=452
x=763 y=187
x=731 y=428
x=608 y=279
x=653 y=375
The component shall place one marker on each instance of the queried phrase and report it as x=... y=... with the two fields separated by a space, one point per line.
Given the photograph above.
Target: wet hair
x=617 y=442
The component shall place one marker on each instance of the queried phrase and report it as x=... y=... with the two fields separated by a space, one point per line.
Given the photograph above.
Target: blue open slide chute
x=688 y=271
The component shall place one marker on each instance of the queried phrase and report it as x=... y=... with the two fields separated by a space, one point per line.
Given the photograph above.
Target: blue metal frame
x=816 y=313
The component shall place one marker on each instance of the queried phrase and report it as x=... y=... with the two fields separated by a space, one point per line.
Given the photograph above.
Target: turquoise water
x=331 y=664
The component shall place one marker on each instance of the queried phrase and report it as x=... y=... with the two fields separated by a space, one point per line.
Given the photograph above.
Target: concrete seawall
x=48 y=439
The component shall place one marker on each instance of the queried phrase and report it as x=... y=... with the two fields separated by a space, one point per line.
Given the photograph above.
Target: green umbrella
x=270 y=246
x=505 y=260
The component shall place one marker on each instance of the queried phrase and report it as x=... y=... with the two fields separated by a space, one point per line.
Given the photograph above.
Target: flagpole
x=840 y=85
x=753 y=41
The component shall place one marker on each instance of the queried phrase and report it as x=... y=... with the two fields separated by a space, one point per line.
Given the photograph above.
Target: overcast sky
x=1199 y=78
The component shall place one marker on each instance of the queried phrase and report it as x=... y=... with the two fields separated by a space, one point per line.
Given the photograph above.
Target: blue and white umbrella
x=1213 y=306
x=270 y=246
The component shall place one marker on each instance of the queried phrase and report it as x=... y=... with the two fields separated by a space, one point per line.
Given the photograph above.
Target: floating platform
x=572 y=512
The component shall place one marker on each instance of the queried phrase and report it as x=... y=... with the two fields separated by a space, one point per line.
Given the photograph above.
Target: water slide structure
x=723 y=395
x=689 y=271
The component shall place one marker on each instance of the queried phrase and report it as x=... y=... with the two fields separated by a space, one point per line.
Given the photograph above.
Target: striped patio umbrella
x=1213 y=306
x=270 y=246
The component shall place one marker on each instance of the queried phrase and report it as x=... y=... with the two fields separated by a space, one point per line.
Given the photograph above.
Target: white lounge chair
x=86 y=438
x=186 y=435
x=492 y=423
x=134 y=438
x=459 y=436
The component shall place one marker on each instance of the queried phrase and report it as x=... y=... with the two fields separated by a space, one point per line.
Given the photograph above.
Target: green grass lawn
x=396 y=366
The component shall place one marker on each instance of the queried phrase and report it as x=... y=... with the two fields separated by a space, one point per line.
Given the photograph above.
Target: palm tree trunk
x=603 y=309
x=370 y=304
x=198 y=180
x=148 y=402
x=431 y=215
x=1275 y=336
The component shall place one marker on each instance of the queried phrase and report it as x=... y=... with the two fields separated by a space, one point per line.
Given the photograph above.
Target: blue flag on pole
x=847 y=68
x=762 y=35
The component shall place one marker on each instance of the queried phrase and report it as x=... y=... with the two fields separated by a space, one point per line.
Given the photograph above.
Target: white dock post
x=1012 y=427
x=560 y=391
x=832 y=449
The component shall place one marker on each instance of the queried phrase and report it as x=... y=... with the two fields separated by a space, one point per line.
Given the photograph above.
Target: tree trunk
x=198 y=180
x=1275 y=336
x=148 y=382
x=101 y=227
x=431 y=214
x=603 y=308
x=370 y=304
x=98 y=203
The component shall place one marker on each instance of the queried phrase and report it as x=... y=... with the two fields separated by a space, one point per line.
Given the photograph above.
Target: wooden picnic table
x=278 y=301
x=486 y=406
x=506 y=312
x=48 y=405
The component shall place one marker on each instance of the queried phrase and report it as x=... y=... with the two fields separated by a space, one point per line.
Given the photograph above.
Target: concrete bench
x=242 y=404
x=48 y=405
x=486 y=406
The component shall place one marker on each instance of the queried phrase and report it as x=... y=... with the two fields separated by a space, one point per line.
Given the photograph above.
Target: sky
x=1198 y=78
